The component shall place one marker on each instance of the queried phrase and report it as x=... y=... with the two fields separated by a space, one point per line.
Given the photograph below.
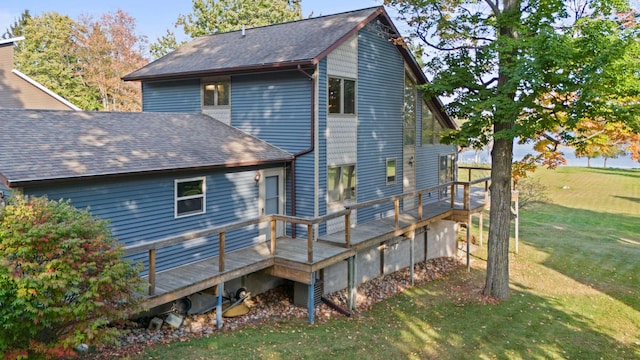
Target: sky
x=153 y=17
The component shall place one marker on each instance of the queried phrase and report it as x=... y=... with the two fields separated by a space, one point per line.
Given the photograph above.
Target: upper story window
x=341 y=183
x=190 y=196
x=342 y=96
x=431 y=128
x=215 y=93
x=409 y=113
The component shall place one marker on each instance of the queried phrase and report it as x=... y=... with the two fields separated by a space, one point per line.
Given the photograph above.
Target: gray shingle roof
x=41 y=145
x=292 y=43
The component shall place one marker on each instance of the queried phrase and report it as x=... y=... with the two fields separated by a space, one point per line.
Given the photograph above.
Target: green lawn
x=575 y=294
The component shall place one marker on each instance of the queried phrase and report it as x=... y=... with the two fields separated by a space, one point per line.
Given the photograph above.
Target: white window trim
x=176 y=198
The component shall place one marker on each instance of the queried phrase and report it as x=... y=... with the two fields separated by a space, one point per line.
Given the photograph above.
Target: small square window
x=189 y=197
x=391 y=171
x=215 y=93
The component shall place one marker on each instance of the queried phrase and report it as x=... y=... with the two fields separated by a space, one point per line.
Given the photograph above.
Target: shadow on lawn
x=600 y=250
x=634 y=173
x=632 y=199
x=526 y=326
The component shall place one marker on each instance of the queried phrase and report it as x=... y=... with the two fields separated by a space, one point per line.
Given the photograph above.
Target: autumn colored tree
x=211 y=16
x=525 y=69
x=108 y=49
x=84 y=61
x=601 y=139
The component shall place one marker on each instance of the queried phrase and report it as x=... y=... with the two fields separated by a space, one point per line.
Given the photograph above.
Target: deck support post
x=152 y=272
x=453 y=195
x=412 y=256
x=310 y=300
x=481 y=226
x=310 y=243
x=467 y=197
x=396 y=206
x=347 y=229
x=219 y=305
x=426 y=243
x=351 y=281
x=221 y=252
x=273 y=236
x=420 y=206
x=517 y=225
x=469 y=243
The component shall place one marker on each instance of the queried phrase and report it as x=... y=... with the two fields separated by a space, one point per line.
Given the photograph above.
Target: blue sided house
x=300 y=152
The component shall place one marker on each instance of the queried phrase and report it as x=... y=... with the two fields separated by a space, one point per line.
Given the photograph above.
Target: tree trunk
x=497 y=280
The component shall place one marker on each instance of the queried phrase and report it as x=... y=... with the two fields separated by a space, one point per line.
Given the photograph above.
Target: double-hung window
x=342 y=96
x=215 y=93
x=341 y=183
x=190 y=196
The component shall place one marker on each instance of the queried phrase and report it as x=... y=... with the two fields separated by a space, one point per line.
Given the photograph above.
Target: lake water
x=519 y=151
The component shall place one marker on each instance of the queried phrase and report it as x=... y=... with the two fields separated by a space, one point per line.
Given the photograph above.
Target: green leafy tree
x=211 y=16
x=15 y=29
x=62 y=279
x=527 y=69
x=48 y=56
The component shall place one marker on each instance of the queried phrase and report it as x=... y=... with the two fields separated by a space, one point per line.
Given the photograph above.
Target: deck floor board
x=329 y=249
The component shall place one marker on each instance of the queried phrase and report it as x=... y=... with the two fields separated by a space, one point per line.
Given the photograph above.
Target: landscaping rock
x=276 y=305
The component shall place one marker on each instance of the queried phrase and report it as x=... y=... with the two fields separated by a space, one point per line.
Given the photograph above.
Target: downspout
x=305 y=151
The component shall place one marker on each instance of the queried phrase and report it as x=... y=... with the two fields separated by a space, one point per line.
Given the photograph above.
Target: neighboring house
x=303 y=119
x=18 y=91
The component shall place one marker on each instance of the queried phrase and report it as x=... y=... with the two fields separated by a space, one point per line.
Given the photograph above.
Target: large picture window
x=409 y=113
x=431 y=128
x=342 y=96
x=215 y=93
x=190 y=196
x=341 y=183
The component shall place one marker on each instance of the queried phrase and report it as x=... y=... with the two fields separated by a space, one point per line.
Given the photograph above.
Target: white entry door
x=271 y=200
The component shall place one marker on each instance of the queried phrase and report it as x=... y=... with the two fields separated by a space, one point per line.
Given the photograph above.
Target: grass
x=575 y=294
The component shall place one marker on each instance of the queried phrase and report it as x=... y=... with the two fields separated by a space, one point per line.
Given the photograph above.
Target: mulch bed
x=272 y=306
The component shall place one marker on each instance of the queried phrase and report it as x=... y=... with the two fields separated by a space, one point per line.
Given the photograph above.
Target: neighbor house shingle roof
x=49 y=145
x=289 y=44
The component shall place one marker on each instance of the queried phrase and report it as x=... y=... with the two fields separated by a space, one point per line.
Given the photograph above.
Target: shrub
x=62 y=279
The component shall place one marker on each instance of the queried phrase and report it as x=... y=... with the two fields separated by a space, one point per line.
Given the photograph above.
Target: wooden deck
x=298 y=258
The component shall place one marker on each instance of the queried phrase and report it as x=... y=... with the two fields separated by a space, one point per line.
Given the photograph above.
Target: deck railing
x=152 y=247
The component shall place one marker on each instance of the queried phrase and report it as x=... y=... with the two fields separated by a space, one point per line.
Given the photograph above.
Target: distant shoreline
x=519 y=151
